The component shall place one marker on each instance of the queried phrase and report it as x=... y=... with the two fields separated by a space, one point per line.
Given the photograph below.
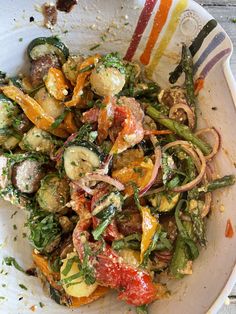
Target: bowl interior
x=135 y=29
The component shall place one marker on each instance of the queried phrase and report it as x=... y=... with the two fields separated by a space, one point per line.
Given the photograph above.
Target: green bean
x=181 y=130
x=188 y=70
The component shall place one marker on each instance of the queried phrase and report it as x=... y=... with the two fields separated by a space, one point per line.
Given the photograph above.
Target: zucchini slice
x=42 y=46
x=80 y=159
x=53 y=193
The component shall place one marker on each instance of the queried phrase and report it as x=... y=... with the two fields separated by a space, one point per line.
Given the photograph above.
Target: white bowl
x=214 y=271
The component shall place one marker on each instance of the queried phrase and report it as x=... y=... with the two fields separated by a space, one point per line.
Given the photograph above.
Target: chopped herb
x=143 y=309
x=15 y=238
x=90 y=104
x=44 y=229
x=59 y=120
x=136 y=195
x=65 y=31
x=14 y=214
x=4 y=285
x=103 y=37
x=233 y=20
x=23 y=286
x=24 y=235
x=87 y=68
x=11 y=261
x=69 y=264
x=56 y=265
x=94 y=47
x=127 y=23
x=2 y=298
x=113 y=60
x=15 y=227
x=20 y=39
x=41 y=304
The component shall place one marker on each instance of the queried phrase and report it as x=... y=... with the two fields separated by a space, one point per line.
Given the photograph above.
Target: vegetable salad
x=112 y=171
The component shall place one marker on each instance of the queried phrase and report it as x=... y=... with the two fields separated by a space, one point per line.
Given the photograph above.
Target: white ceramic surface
x=214 y=273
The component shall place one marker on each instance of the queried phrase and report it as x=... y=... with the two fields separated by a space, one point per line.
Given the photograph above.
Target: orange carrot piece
x=81 y=79
x=33 y=110
x=56 y=84
x=69 y=124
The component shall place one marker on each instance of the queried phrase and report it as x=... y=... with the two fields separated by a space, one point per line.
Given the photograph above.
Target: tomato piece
x=132 y=131
x=90 y=116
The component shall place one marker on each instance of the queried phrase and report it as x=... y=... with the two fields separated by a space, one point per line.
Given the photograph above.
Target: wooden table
x=224 y=11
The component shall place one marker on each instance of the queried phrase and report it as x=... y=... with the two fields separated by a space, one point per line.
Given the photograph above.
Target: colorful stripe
x=159 y=22
x=213 y=62
x=140 y=28
x=172 y=26
x=195 y=46
x=215 y=42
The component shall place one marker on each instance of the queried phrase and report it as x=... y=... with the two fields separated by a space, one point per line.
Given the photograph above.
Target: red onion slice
x=156 y=167
x=98 y=177
x=216 y=146
x=198 y=159
x=190 y=114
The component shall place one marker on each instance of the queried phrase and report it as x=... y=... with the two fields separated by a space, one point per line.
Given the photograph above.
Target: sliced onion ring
x=190 y=114
x=216 y=135
x=98 y=177
x=198 y=159
x=156 y=166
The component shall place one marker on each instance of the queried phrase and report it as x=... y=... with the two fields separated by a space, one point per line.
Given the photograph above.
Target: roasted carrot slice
x=84 y=71
x=33 y=110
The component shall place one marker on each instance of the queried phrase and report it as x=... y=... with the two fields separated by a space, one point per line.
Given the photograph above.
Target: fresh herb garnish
x=74 y=259
x=143 y=309
x=59 y=119
x=23 y=286
x=113 y=60
x=94 y=47
x=87 y=68
x=11 y=261
x=44 y=229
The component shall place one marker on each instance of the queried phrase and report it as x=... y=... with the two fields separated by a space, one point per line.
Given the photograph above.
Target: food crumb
x=33 y=308
x=50 y=15
x=65 y=6
x=229 y=231
x=222 y=208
